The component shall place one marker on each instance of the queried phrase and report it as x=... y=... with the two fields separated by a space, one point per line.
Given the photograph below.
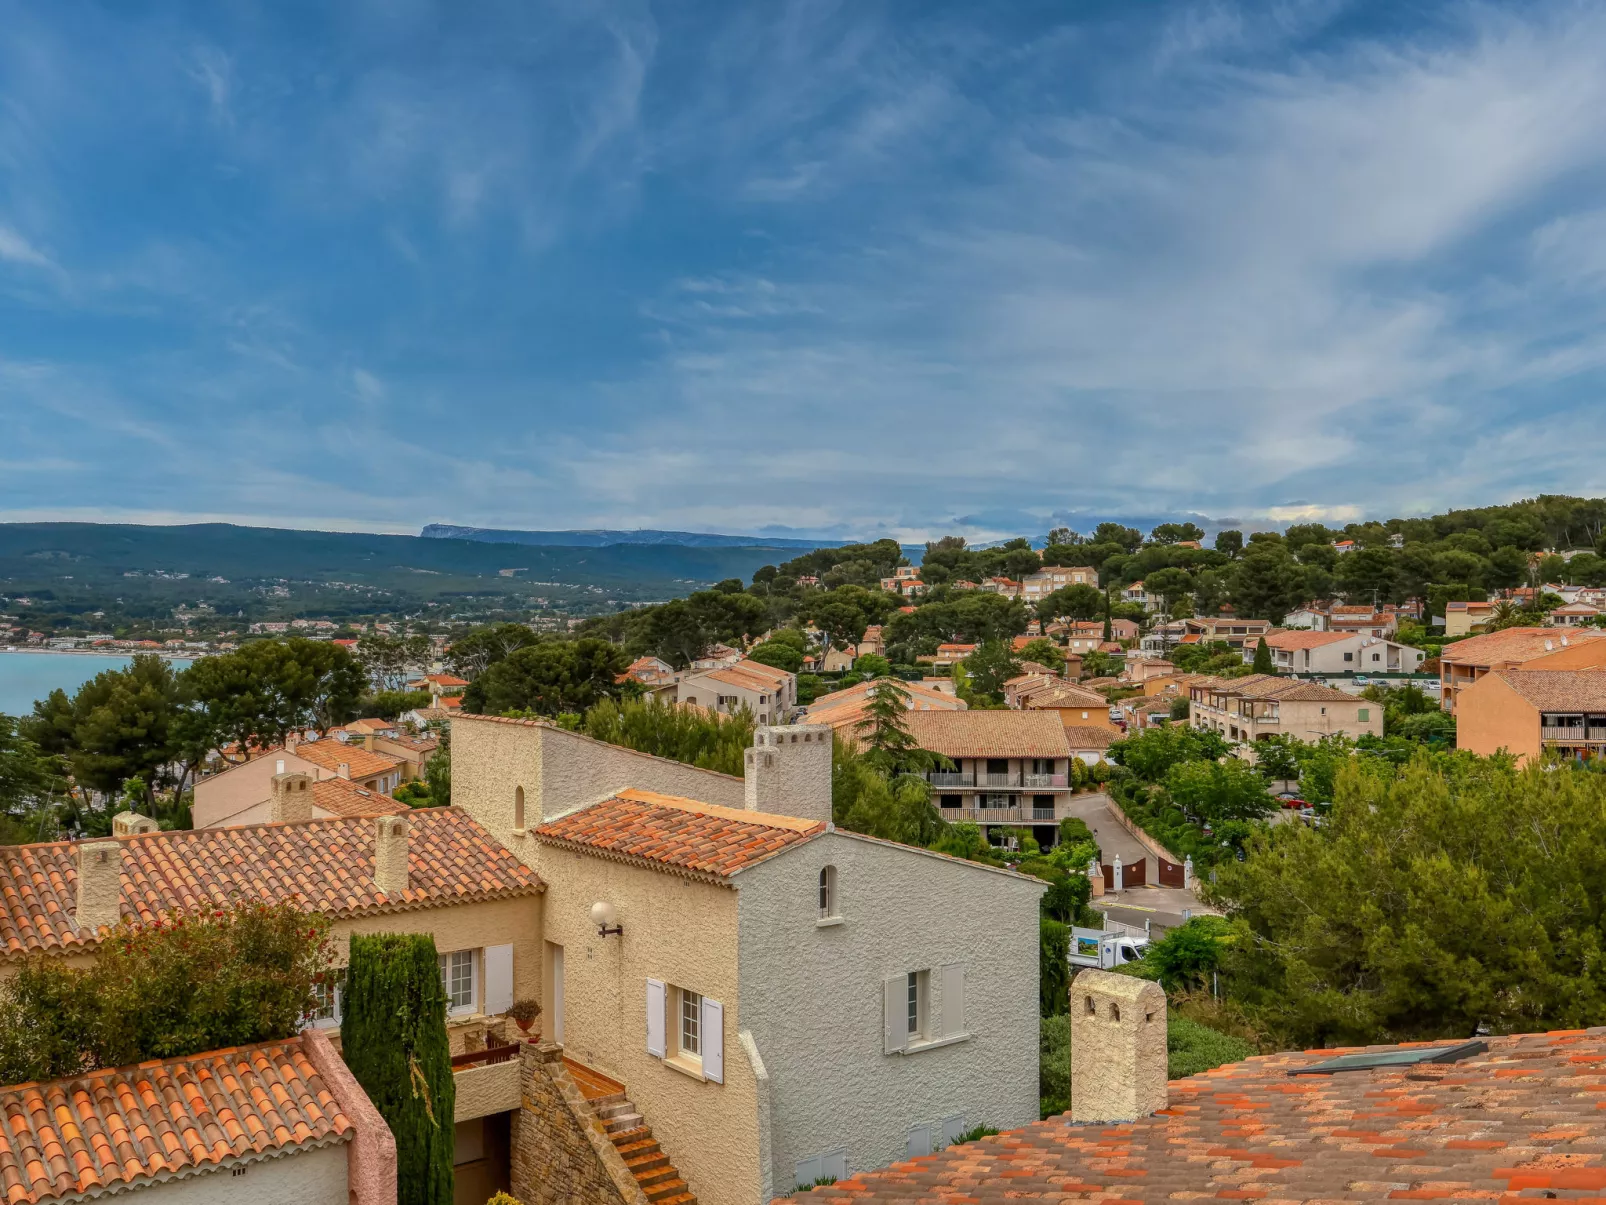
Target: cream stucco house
x=781 y=1000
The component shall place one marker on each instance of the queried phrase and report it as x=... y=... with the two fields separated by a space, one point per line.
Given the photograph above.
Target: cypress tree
x=393 y=1037
x=1263 y=663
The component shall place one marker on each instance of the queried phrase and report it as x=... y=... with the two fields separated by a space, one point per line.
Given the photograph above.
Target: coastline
x=168 y=654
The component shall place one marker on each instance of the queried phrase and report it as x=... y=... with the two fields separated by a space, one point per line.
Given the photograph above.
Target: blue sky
x=835 y=269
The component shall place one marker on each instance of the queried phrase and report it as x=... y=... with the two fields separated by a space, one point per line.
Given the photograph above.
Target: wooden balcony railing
x=491 y=1054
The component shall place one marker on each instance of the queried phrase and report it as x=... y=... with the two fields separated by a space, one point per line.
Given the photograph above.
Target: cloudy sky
x=834 y=268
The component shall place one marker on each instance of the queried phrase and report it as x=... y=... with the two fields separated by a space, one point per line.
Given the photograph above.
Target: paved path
x=1161 y=906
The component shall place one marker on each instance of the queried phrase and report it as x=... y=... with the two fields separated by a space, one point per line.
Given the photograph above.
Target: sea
x=26 y=676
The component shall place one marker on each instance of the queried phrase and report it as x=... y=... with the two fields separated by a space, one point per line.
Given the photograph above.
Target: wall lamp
x=602 y=915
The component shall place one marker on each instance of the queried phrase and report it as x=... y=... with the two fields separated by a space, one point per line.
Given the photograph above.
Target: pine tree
x=884 y=732
x=1263 y=663
x=393 y=1037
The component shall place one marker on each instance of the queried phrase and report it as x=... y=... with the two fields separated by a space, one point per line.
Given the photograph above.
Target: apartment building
x=1009 y=767
x=1244 y=710
x=1531 y=712
x=1340 y=652
x=1077 y=706
x=780 y=1000
x=1039 y=585
x=1464 y=662
x=1235 y=632
x=769 y=693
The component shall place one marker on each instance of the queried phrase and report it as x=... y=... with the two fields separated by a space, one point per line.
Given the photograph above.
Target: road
x=1162 y=907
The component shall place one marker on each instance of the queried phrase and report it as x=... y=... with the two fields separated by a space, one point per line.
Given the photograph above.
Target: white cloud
x=18 y=250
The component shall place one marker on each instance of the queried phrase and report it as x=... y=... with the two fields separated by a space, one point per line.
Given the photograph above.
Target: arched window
x=827 y=892
x=518 y=808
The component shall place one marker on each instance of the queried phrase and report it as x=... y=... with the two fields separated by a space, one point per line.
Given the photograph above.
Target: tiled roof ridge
x=696 y=806
x=204 y=834
x=547 y=724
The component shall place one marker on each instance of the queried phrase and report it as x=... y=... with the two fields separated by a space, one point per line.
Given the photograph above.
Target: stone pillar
x=1095 y=877
x=1117 y=872
x=1188 y=880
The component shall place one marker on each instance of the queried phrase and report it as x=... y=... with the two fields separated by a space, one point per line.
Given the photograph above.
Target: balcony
x=950 y=778
x=487 y=1081
x=1043 y=781
x=1573 y=736
x=1016 y=815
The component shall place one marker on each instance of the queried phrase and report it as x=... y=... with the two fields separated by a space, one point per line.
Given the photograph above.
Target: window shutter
x=808 y=1171
x=655 y=1018
x=953 y=999
x=498 y=979
x=895 y=1015
x=713 y=1040
x=919 y=1142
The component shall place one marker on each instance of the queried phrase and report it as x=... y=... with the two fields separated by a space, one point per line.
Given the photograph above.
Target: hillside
x=147 y=569
x=604 y=538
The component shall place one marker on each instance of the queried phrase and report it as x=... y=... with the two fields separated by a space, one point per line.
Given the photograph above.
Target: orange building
x=1533 y=711
x=1464 y=662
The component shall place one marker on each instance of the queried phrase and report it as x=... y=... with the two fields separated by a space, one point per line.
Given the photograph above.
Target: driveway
x=1162 y=907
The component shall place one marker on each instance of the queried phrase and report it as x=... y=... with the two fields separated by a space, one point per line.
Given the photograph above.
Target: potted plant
x=524 y=1013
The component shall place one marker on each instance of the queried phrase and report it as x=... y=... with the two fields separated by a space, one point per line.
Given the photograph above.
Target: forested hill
x=72 y=559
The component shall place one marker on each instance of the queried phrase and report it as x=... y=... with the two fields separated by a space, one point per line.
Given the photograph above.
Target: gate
x=1109 y=876
x=1136 y=874
x=1171 y=873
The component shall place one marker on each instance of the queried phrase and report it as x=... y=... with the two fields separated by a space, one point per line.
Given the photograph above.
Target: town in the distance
x=1116 y=864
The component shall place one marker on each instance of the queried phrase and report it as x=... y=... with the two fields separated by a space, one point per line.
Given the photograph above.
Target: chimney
x=126 y=824
x=292 y=798
x=100 y=884
x=368 y=741
x=390 y=854
x=1118 y=1047
x=291 y=741
x=788 y=771
x=343 y=770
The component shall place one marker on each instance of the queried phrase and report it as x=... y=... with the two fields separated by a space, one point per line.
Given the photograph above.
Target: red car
x=1296 y=804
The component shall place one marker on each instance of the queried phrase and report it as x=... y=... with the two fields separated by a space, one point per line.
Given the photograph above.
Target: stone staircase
x=632 y=1138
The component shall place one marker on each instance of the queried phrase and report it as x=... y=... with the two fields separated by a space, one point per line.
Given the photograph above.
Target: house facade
x=1340 y=652
x=769 y=693
x=1009 y=767
x=772 y=1012
x=1534 y=712
x=241 y=793
x=1039 y=585
x=1245 y=710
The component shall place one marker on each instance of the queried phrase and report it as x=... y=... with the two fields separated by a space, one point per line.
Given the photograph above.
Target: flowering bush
x=202 y=980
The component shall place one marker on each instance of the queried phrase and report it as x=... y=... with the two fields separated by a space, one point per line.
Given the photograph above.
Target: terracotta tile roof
x=842 y=709
x=1520 y=1121
x=1558 y=689
x=330 y=754
x=1305 y=640
x=125 y=1127
x=345 y=798
x=1512 y=644
x=956 y=648
x=1090 y=736
x=666 y=831
x=749 y=675
x=991 y=733
x=1062 y=694
x=325 y=864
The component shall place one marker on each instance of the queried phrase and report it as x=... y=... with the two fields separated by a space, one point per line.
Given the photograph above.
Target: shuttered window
x=655 y=1018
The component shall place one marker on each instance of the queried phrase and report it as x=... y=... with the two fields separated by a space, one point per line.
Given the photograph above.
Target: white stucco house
x=780 y=1000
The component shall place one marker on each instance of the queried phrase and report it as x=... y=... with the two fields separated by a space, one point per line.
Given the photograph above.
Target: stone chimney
x=126 y=824
x=343 y=770
x=368 y=741
x=292 y=798
x=788 y=771
x=390 y=854
x=100 y=884
x=1118 y=1047
x=291 y=741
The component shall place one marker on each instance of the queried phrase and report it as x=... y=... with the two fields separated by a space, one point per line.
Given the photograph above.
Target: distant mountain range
x=600 y=538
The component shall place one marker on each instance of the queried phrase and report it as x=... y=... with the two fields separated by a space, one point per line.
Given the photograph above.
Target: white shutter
x=919 y=1142
x=808 y=1171
x=498 y=979
x=713 y=1040
x=895 y=1015
x=952 y=1127
x=835 y=1164
x=953 y=999
x=655 y=1018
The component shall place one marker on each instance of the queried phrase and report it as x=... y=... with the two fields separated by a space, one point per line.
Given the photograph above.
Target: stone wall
x=560 y=1150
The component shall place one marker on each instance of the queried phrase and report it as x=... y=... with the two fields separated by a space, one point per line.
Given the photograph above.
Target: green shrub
x=1192 y=1048
x=189 y=983
x=393 y=1037
x=1054 y=1065
x=974 y=1134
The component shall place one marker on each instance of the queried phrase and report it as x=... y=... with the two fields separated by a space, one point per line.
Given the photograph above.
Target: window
x=518 y=807
x=1349 y=656
x=457 y=974
x=1364 y=715
x=330 y=995
x=916 y=1007
x=1377 y=656
x=827 y=892
x=691 y=1022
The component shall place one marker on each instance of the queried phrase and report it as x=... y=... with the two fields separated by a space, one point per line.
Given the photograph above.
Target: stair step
x=647 y=1161
x=668 y=1188
x=612 y=1108
x=601 y=1103
x=684 y=1198
x=622 y=1123
x=652 y=1177
x=638 y=1142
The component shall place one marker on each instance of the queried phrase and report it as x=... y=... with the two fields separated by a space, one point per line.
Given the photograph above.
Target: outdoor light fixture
x=602 y=916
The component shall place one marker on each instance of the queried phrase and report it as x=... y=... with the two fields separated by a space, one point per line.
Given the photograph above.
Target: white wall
x=315 y=1177
x=812 y=997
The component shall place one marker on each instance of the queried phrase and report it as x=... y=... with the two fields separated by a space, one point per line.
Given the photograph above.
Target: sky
x=808 y=268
